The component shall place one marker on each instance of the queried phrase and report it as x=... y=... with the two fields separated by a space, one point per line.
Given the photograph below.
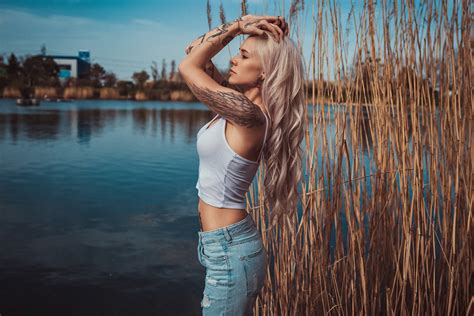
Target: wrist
x=236 y=26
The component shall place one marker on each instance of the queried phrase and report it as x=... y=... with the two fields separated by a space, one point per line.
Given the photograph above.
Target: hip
x=235 y=260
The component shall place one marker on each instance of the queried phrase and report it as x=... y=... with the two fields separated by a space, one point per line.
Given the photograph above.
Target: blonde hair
x=284 y=98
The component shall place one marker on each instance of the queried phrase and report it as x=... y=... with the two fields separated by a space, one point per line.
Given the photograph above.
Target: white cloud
x=120 y=47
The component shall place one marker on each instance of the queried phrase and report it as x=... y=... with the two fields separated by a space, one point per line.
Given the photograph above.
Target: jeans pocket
x=213 y=257
x=199 y=251
x=254 y=267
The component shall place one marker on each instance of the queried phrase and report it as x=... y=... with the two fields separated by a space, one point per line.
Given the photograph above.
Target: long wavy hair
x=284 y=98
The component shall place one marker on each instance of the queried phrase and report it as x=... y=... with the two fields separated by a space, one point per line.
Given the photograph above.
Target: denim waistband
x=226 y=232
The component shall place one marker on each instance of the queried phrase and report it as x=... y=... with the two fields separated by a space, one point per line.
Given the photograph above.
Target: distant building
x=73 y=66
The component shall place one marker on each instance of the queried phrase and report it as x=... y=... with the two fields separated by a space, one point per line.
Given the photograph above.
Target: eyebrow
x=244 y=50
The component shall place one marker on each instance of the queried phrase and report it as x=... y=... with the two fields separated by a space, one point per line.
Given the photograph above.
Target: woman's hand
x=254 y=24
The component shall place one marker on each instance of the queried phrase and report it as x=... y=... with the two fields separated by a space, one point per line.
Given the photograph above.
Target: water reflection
x=88 y=123
x=98 y=208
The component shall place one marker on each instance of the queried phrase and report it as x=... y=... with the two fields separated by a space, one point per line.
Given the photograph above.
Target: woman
x=259 y=111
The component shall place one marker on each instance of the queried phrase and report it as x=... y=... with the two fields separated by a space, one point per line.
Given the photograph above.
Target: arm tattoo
x=232 y=105
x=202 y=36
x=219 y=31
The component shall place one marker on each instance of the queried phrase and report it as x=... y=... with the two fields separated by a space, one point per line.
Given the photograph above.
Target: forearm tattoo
x=234 y=106
x=222 y=29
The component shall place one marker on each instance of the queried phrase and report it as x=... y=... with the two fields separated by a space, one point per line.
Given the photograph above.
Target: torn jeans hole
x=211 y=281
x=206 y=302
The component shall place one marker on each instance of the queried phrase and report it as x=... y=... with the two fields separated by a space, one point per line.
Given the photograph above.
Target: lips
x=232 y=71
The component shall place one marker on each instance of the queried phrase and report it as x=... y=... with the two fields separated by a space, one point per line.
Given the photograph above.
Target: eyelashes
x=243 y=56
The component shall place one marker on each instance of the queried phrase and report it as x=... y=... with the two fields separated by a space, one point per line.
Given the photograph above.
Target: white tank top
x=224 y=175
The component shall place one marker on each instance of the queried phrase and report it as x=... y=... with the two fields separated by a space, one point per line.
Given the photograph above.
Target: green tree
x=96 y=75
x=173 y=69
x=154 y=71
x=13 y=70
x=110 y=79
x=125 y=88
x=40 y=71
x=163 y=70
x=140 y=78
x=3 y=75
x=43 y=50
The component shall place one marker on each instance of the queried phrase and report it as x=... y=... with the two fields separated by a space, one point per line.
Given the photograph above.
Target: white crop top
x=224 y=175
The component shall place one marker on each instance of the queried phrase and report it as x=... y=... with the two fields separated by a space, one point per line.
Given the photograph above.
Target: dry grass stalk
x=78 y=93
x=387 y=205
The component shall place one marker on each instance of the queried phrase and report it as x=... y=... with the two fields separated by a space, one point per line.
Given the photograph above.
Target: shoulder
x=229 y=103
x=252 y=135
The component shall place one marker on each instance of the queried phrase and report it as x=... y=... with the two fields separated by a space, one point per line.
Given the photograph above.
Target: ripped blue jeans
x=235 y=261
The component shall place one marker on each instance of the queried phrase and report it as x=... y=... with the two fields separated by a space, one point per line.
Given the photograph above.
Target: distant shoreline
x=308 y=101
x=91 y=93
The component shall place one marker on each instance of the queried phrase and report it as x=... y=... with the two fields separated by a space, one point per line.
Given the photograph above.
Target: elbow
x=183 y=65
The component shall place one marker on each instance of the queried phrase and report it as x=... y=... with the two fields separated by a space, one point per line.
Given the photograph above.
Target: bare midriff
x=212 y=217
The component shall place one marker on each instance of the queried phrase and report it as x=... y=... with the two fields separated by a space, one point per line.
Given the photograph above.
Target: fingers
x=285 y=27
x=281 y=23
x=276 y=25
x=276 y=31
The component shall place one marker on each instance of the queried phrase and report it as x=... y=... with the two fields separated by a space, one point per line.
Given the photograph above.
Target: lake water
x=98 y=208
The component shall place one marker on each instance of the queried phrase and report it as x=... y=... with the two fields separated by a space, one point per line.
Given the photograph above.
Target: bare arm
x=234 y=106
x=208 y=45
x=213 y=71
x=222 y=100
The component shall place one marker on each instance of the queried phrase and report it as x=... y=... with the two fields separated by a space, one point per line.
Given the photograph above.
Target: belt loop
x=227 y=235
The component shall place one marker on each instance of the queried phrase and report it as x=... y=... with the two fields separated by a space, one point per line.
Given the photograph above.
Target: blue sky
x=127 y=36
x=123 y=36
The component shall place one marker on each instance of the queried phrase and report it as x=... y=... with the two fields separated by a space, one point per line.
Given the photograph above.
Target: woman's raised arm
x=208 y=45
x=214 y=73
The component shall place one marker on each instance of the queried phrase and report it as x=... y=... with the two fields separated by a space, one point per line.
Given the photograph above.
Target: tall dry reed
x=11 y=92
x=387 y=202
x=78 y=93
x=42 y=92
